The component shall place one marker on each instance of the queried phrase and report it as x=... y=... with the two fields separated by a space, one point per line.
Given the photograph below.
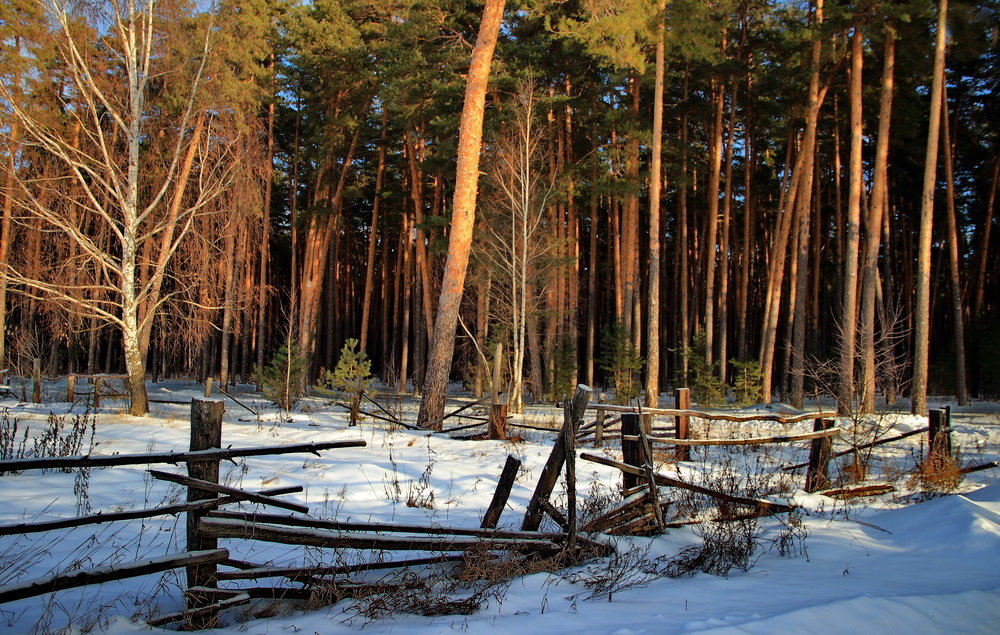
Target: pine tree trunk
x=922 y=315
x=712 y=220
x=958 y=316
x=463 y=217
x=982 y=253
x=366 y=302
x=655 y=183
x=874 y=228
x=849 y=315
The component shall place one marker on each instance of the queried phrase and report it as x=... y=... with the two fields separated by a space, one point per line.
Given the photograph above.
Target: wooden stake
x=97 y=391
x=939 y=436
x=502 y=493
x=631 y=448
x=682 y=401
x=36 y=380
x=206 y=433
x=208 y=387
x=820 y=450
x=498 y=421
x=71 y=388
x=599 y=421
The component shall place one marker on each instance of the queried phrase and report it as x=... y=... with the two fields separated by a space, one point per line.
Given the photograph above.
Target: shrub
x=702 y=377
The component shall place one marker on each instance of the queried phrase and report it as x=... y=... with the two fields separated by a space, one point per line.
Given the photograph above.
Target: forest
x=798 y=195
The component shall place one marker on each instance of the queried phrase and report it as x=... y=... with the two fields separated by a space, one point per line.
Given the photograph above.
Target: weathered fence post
x=498 y=421
x=682 y=401
x=599 y=421
x=206 y=432
x=97 y=391
x=553 y=466
x=820 y=451
x=631 y=449
x=208 y=387
x=502 y=493
x=939 y=437
x=36 y=380
x=71 y=388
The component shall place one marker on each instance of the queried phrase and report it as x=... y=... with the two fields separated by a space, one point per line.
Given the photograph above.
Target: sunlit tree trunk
x=463 y=217
x=922 y=315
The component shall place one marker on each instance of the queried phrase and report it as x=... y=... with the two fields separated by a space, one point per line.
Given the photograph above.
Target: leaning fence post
x=599 y=421
x=206 y=432
x=502 y=493
x=820 y=452
x=71 y=388
x=682 y=401
x=36 y=380
x=631 y=448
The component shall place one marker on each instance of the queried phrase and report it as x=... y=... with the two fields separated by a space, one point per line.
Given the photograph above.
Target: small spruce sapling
x=352 y=376
x=622 y=362
x=283 y=379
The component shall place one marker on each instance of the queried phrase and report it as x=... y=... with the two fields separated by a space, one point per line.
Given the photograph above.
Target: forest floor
x=914 y=560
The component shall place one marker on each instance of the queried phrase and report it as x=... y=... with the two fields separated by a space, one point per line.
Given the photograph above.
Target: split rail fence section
x=204 y=494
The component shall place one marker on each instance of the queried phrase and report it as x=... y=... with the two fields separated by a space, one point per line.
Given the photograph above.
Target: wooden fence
x=204 y=493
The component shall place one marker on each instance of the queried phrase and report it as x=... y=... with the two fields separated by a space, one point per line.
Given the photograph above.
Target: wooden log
x=498 y=421
x=631 y=448
x=864 y=446
x=336 y=525
x=980 y=467
x=333 y=539
x=511 y=424
x=460 y=428
x=71 y=388
x=682 y=401
x=206 y=433
x=207 y=611
x=58 y=582
x=501 y=493
x=36 y=380
x=107 y=517
x=553 y=466
x=215 y=488
x=295 y=573
x=173 y=458
x=672 y=482
x=805 y=436
x=716 y=416
x=871 y=489
x=817 y=476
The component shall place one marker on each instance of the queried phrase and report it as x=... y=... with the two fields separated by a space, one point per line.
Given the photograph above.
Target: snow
x=900 y=563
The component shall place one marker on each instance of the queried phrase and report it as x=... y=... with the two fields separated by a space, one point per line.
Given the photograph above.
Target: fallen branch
x=173 y=458
x=774 y=508
x=61 y=581
x=208 y=486
x=238 y=402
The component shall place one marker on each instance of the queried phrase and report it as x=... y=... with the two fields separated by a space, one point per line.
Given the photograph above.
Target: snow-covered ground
x=903 y=562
